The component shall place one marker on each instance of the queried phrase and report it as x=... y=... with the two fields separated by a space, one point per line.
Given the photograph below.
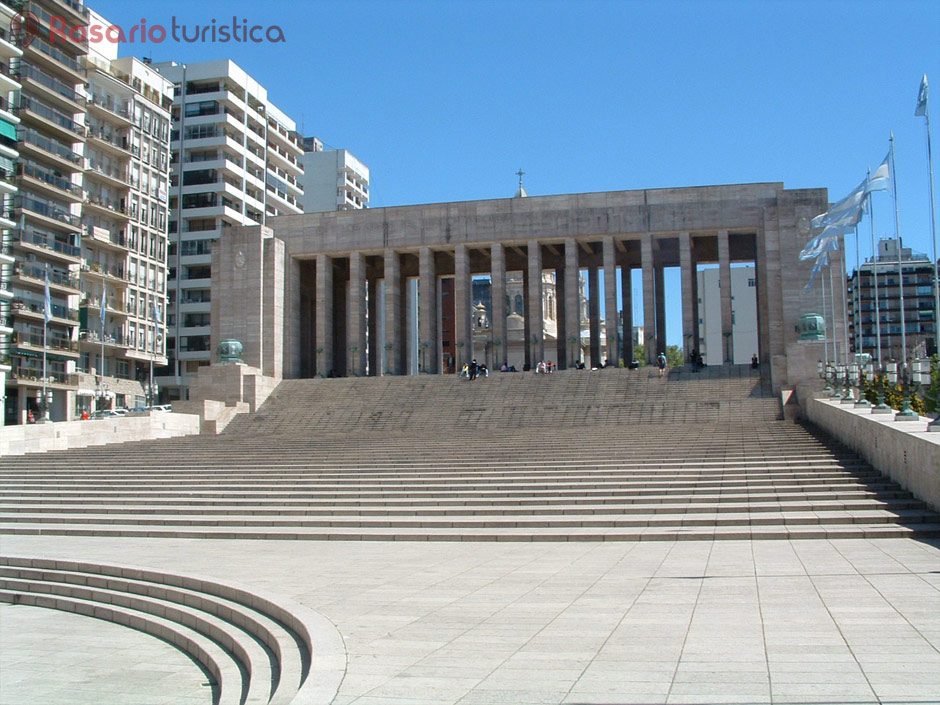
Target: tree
x=639 y=354
x=674 y=356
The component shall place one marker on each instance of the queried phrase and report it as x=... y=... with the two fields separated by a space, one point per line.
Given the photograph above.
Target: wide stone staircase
x=576 y=455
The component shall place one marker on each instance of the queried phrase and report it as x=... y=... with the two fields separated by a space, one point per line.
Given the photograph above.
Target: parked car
x=106 y=414
x=163 y=407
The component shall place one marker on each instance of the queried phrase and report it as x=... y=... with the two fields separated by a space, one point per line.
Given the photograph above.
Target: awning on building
x=7 y=129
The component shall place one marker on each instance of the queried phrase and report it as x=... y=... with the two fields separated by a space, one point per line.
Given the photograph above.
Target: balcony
x=31 y=376
x=119 y=178
x=48 y=212
x=103 y=236
x=35 y=310
x=114 y=274
x=46 y=245
x=107 y=109
x=36 y=276
x=114 y=340
x=51 y=88
x=32 y=141
x=37 y=177
x=103 y=138
x=112 y=209
x=54 y=59
x=57 y=343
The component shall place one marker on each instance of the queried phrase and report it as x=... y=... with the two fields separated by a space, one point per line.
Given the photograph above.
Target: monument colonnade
x=312 y=293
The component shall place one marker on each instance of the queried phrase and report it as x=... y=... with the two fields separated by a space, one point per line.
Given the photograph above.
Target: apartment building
x=236 y=161
x=333 y=179
x=715 y=348
x=124 y=224
x=9 y=86
x=46 y=212
x=920 y=315
x=89 y=215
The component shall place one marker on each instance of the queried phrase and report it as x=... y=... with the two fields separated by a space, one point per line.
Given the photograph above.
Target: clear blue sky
x=446 y=99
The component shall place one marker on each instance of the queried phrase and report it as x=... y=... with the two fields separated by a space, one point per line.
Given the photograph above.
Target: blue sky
x=445 y=100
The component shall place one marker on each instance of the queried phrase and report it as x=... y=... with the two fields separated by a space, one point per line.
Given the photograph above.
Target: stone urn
x=812 y=326
x=230 y=351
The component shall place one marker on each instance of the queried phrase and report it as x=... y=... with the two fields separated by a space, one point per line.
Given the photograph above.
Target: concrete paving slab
x=543 y=623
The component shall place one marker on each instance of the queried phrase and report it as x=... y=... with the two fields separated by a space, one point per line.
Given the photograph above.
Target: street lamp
x=862 y=402
x=834 y=377
x=890 y=371
x=851 y=376
x=906 y=413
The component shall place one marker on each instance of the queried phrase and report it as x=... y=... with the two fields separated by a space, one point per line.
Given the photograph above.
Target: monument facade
x=359 y=292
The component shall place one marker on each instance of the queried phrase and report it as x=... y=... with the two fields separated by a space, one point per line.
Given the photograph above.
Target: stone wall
x=39 y=438
x=903 y=450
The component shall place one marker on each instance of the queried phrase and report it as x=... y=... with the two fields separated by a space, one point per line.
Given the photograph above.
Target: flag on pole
x=156 y=313
x=47 y=302
x=104 y=310
x=846 y=212
x=921 y=108
x=881 y=179
x=821 y=261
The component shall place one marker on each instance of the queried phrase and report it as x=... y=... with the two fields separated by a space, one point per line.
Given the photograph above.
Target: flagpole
x=822 y=290
x=845 y=307
x=897 y=227
x=832 y=306
x=933 y=219
x=874 y=269
x=103 y=314
x=857 y=304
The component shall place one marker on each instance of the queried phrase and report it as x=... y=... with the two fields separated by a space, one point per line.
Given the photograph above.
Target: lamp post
x=880 y=407
x=823 y=372
x=836 y=395
x=862 y=402
x=851 y=376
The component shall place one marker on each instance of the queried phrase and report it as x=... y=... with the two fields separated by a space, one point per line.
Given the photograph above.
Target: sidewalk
x=435 y=623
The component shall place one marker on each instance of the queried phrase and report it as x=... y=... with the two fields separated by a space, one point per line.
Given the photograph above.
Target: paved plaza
x=474 y=623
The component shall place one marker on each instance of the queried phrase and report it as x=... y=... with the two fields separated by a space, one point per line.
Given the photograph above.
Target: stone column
x=611 y=319
x=393 y=309
x=324 y=342
x=724 y=283
x=660 y=276
x=373 y=327
x=463 y=323
x=498 y=314
x=594 y=311
x=689 y=304
x=429 y=349
x=626 y=286
x=273 y=307
x=561 y=346
x=357 y=314
x=534 y=312
x=293 y=317
x=649 y=299
x=572 y=304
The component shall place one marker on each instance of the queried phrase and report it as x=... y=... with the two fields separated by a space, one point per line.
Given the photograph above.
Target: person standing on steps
x=473 y=369
x=661 y=363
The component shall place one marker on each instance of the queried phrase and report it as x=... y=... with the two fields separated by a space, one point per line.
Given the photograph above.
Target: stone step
x=867 y=531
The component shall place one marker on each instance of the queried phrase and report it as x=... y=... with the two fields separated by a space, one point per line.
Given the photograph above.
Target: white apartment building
x=236 y=160
x=8 y=190
x=333 y=179
x=743 y=315
x=124 y=219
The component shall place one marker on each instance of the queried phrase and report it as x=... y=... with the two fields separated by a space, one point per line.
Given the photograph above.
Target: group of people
x=545 y=367
x=472 y=370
